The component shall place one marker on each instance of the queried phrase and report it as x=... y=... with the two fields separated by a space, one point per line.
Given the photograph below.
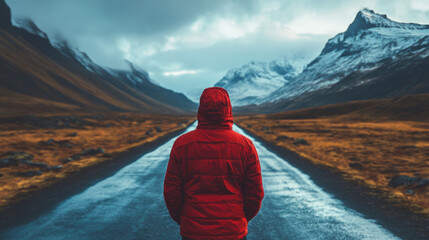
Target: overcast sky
x=191 y=44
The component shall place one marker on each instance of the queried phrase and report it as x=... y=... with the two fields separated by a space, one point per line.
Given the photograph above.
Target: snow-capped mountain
x=135 y=77
x=30 y=27
x=375 y=58
x=369 y=41
x=254 y=81
x=65 y=48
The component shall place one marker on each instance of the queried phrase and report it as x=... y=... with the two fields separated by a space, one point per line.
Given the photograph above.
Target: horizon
x=189 y=55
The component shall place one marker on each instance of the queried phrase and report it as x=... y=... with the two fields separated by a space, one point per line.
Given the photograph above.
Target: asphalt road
x=130 y=205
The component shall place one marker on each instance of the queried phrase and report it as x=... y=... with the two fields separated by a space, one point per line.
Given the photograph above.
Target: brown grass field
x=114 y=133
x=365 y=148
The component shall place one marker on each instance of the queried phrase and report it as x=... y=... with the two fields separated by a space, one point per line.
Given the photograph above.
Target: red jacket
x=213 y=184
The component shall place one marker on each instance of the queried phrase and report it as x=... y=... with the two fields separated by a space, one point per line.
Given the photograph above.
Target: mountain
x=195 y=94
x=406 y=108
x=252 y=82
x=134 y=77
x=375 y=58
x=5 y=15
x=139 y=79
x=37 y=76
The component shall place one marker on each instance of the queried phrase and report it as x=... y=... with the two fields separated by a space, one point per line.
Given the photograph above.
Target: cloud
x=193 y=43
x=181 y=72
x=420 y=5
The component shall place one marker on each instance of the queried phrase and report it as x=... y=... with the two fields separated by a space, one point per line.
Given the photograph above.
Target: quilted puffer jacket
x=213 y=184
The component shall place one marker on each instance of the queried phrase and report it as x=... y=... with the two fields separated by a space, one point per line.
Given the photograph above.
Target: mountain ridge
x=259 y=79
x=5 y=15
x=352 y=64
x=35 y=69
x=366 y=19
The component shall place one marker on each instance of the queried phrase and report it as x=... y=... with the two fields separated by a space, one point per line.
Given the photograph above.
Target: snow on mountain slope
x=70 y=76
x=135 y=77
x=65 y=48
x=255 y=80
x=29 y=26
x=370 y=40
x=62 y=45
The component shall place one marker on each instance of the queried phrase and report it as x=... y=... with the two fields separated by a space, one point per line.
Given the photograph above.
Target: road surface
x=130 y=205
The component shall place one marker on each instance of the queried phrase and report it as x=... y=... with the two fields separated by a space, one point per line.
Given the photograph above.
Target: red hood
x=215 y=109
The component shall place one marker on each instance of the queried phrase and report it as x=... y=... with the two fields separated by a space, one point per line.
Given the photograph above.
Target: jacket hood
x=215 y=109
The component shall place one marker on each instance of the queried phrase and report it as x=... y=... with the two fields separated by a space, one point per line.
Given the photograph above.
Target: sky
x=188 y=45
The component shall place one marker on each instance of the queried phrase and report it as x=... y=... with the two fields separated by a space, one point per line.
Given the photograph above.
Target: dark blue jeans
x=183 y=238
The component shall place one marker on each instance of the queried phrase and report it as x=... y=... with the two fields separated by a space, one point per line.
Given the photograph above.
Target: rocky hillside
x=37 y=77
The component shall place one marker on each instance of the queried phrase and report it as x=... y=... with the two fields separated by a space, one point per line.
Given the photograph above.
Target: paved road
x=129 y=205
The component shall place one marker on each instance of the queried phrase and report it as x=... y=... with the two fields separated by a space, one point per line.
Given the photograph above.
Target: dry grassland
x=371 y=153
x=51 y=140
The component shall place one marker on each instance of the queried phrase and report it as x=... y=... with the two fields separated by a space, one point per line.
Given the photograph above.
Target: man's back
x=213 y=184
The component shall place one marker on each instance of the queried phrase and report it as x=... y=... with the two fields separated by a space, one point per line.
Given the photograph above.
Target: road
x=130 y=205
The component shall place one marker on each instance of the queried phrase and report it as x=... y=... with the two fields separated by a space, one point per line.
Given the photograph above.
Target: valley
x=343 y=138
x=38 y=151
x=377 y=143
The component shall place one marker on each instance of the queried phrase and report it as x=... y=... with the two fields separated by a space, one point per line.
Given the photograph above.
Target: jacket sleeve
x=173 y=194
x=253 y=189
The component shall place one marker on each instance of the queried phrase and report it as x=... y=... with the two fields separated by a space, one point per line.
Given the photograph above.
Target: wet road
x=130 y=205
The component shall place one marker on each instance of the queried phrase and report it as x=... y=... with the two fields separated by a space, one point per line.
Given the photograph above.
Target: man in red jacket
x=213 y=184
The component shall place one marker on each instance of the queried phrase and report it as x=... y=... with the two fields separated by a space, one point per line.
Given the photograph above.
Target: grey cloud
x=96 y=26
x=122 y=17
x=217 y=59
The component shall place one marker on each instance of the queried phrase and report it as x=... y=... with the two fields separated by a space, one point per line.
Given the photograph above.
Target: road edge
x=45 y=199
x=369 y=202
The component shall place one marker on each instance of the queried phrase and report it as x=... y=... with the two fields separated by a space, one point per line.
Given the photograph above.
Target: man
x=213 y=184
